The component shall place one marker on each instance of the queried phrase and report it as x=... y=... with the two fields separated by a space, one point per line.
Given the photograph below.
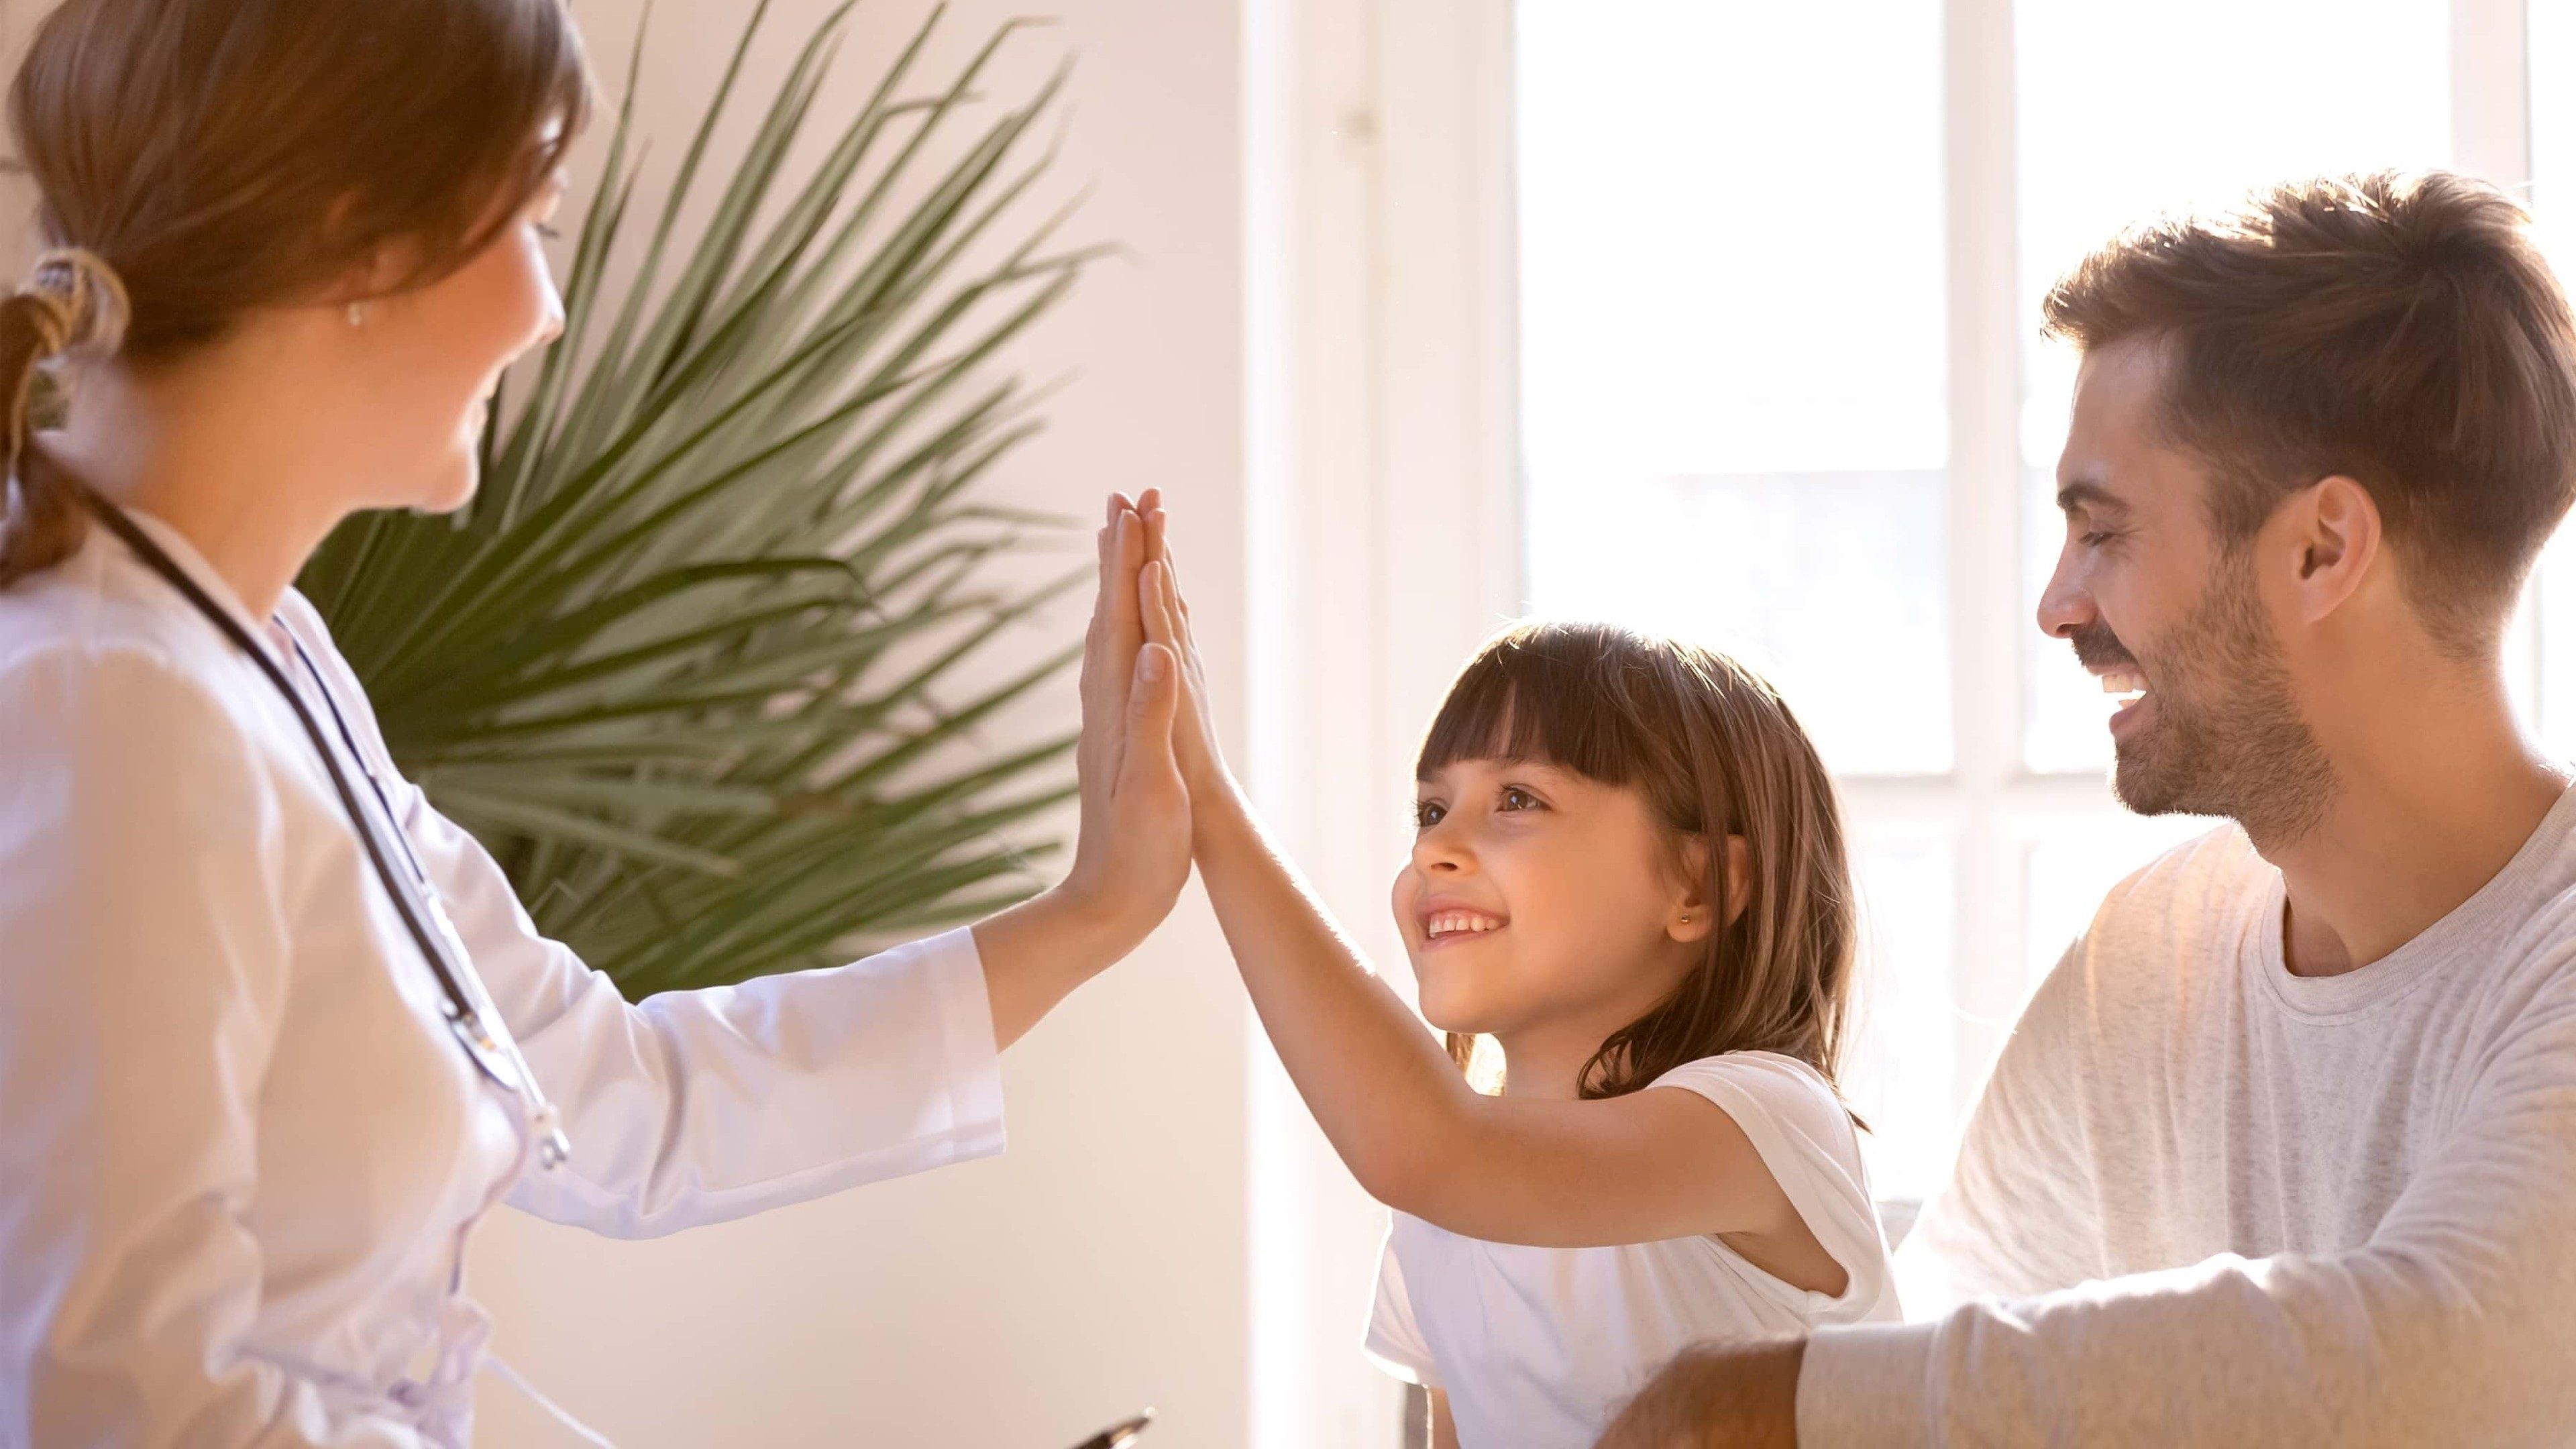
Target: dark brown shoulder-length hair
x=221 y=157
x=2399 y=329
x=1716 y=753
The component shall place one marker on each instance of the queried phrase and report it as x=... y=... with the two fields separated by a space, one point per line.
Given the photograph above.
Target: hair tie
x=82 y=303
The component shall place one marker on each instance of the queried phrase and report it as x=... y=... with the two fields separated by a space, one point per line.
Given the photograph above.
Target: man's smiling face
x=2170 y=617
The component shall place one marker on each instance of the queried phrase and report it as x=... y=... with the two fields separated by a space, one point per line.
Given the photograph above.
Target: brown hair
x=2400 y=330
x=1716 y=753
x=220 y=156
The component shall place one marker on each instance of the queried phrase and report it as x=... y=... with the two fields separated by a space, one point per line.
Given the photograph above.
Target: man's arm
x=1444 y=1428
x=2449 y=1326
x=1725 y=1396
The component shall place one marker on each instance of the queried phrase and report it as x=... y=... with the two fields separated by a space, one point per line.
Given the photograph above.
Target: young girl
x=1628 y=874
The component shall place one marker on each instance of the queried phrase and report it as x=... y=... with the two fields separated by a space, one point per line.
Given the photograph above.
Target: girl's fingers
x=1156 y=589
x=1152 y=698
x=1180 y=601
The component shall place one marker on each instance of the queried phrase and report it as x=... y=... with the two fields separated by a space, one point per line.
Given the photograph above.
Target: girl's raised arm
x=1653 y=1164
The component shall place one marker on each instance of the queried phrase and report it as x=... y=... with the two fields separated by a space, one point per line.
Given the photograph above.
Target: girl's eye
x=548 y=232
x=1427 y=813
x=1516 y=798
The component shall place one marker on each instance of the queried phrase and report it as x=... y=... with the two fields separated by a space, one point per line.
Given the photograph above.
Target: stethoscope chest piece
x=504 y=1065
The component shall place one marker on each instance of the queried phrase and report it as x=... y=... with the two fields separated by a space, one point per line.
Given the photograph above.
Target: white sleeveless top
x=1537 y=1347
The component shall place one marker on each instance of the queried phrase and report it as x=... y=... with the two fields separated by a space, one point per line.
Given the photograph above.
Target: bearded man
x=2284 y=1150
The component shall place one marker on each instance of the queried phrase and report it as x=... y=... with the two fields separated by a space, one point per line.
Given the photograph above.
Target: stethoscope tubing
x=552 y=1148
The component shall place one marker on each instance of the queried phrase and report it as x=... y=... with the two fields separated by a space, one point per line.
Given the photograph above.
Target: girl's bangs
x=1551 y=693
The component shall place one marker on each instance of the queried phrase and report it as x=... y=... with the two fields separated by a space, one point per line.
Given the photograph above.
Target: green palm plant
x=694 y=663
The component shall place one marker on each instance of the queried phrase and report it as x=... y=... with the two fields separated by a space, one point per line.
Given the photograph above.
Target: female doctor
x=274 y=1035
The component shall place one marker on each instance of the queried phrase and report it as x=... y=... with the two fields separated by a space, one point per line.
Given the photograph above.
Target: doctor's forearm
x=1038 y=951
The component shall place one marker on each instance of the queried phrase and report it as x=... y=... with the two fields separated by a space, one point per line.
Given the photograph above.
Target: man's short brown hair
x=2401 y=330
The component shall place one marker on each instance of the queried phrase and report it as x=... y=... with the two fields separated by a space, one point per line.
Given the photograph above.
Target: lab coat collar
x=194 y=565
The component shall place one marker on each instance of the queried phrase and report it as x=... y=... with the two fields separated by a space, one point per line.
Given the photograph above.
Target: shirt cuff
x=956 y=972
x=1863 y=1384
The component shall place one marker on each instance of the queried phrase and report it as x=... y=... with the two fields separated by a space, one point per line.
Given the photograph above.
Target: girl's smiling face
x=1540 y=902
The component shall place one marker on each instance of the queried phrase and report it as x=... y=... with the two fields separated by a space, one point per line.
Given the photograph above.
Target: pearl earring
x=357 y=314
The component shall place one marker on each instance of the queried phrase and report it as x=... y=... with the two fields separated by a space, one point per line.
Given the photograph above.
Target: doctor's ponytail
x=72 y=306
x=197 y=161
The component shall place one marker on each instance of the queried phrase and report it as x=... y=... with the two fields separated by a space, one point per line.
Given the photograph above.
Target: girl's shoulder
x=1774 y=1091
x=1811 y=1146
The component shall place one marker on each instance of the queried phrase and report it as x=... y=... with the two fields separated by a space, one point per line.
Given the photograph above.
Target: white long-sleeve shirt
x=240 y=1151
x=2204 y=1201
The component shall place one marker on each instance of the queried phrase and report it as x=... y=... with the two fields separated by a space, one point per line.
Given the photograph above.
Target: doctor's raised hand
x=274 y=1032
x=1133 y=856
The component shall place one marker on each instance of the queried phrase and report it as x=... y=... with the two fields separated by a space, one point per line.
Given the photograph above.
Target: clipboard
x=1120 y=1434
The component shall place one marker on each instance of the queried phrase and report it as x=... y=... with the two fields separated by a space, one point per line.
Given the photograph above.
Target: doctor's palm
x=1134 y=852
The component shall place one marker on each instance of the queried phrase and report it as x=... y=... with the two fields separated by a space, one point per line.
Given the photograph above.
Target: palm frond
x=702 y=661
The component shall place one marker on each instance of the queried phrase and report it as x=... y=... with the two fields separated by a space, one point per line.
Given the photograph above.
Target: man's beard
x=2227 y=737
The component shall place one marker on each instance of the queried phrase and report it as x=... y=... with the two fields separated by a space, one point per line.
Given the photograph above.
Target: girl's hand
x=1133 y=854
x=1167 y=622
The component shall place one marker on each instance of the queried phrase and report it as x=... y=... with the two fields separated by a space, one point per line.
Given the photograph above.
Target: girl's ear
x=1692 y=920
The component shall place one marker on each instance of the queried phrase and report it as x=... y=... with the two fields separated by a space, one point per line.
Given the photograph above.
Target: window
x=1734 y=406
x=1782 y=390
x=2549 y=634
x=1734 y=417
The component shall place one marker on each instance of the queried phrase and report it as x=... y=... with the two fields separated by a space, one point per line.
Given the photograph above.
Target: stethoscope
x=413 y=897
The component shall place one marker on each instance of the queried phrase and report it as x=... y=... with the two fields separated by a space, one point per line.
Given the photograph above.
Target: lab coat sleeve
x=698 y=1106
x=143 y=970
x=694 y=1107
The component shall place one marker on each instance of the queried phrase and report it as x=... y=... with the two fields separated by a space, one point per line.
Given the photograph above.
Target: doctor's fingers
x=1109 y=649
x=1118 y=594
x=1121 y=547
x=1112 y=605
x=1091 y=766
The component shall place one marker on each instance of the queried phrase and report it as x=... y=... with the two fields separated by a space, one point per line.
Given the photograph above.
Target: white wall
x=1103 y=1263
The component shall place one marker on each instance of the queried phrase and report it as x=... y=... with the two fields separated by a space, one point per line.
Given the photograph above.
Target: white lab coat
x=240 y=1153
